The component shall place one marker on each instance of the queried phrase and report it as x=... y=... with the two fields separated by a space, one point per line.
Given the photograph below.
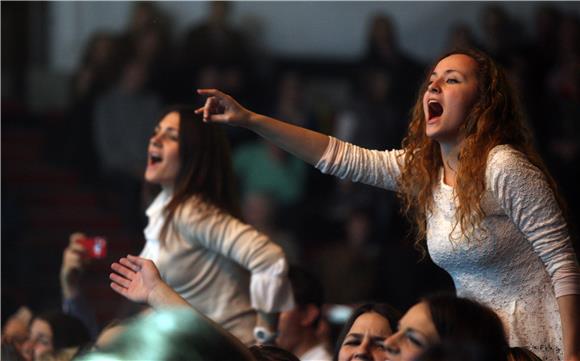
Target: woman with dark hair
x=475 y=189
x=443 y=320
x=221 y=266
x=364 y=333
x=52 y=333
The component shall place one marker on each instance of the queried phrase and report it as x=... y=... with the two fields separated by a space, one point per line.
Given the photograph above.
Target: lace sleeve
x=373 y=167
x=524 y=194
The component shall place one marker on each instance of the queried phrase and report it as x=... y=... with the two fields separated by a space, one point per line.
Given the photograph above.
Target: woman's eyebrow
x=170 y=130
x=414 y=331
x=360 y=335
x=355 y=335
x=449 y=71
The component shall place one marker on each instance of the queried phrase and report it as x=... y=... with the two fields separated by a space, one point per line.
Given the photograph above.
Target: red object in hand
x=96 y=247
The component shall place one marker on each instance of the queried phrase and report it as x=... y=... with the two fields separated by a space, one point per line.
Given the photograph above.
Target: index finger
x=209 y=92
x=136 y=260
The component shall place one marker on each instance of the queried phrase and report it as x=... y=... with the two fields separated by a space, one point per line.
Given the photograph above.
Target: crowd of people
x=223 y=278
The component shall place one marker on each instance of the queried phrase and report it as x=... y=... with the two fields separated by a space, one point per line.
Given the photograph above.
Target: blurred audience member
x=98 y=69
x=144 y=15
x=151 y=47
x=214 y=53
x=55 y=334
x=124 y=117
x=264 y=168
x=290 y=102
x=547 y=19
x=383 y=50
x=541 y=57
x=339 y=262
x=15 y=332
x=562 y=107
x=96 y=74
x=263 y=212
x=502 y=35
x=298 y=328
x=74 y=302
x=8 y=352
x=372 y=121
x=173 y=334
x=461 y=36
x=147 y=40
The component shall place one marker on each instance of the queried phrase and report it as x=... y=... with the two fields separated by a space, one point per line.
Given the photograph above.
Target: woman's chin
x=151 y=179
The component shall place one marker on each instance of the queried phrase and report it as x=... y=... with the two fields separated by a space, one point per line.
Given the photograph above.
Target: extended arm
x=306 y=144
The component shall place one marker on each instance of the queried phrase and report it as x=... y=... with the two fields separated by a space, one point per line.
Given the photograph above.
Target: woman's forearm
x=570 y=316
x=305 y=144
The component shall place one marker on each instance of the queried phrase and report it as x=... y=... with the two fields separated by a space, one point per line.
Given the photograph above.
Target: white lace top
x=221 y=266
x=523 y=258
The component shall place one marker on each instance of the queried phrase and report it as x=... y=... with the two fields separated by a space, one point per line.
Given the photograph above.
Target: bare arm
x=570 y=316
x=305 y=144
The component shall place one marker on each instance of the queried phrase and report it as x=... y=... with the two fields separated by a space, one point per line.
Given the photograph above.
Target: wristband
x=264 y=336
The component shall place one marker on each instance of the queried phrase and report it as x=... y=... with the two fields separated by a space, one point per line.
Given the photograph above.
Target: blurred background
x=83 y=85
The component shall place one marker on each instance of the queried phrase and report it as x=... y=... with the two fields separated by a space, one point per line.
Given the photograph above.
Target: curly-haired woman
x=476 y=190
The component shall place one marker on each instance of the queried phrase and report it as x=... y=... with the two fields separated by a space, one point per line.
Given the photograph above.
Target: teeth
x=155 y=158
x=435 y=109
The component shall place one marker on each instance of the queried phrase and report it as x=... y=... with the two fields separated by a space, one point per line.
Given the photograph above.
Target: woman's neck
x=450 y=158
x=167 y=188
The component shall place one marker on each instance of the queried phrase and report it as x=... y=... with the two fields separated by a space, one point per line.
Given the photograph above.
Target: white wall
x=325 y=28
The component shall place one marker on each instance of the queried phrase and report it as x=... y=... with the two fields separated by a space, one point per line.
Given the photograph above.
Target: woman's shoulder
x=504 y=156
x=196 y=208
x=506 y=161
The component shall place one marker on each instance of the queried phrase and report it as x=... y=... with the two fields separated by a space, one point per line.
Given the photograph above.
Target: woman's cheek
x=41 y=350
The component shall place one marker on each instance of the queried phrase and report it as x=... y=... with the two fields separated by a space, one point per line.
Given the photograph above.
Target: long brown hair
x=495 y=118
x=206 y=166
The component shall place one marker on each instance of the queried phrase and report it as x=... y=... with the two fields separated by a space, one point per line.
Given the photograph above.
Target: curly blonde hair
x=495 y=118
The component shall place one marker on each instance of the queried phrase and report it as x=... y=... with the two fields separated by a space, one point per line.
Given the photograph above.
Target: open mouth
x=435 y=109
x=154 y=158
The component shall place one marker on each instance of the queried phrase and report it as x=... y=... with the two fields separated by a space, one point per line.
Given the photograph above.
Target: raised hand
x=135 y=278
x=306 y=144
x=74 y=261
x=222 y=108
